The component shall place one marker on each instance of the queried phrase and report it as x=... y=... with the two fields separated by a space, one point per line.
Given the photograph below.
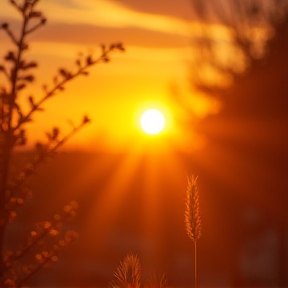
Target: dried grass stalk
x=128 y=273
x=157 y=281
x=192 y=212
x=193 y=219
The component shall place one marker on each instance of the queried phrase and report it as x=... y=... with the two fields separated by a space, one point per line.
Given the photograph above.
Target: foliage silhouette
x=250 y=25
x=246 y=30
x=253 y=97
x=47 y=239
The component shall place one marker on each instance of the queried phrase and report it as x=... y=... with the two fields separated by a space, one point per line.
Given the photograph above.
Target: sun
x=152 y=121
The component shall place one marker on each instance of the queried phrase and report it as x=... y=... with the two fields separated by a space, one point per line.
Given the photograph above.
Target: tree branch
x=59 y=86
x=45 y=232
x=5 y=27
x=43 y=21
x=28 y=171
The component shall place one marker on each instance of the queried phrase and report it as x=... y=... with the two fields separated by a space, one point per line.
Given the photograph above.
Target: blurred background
x=218 y=70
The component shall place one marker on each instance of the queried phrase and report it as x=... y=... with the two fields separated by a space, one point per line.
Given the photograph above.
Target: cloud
x=113 y=14
x=107 y=13
x=70 y=50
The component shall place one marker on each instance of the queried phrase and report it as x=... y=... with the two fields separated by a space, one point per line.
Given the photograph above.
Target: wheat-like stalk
x=157 y=281
x=128 y=273
x=192 y=217
x=192 y=212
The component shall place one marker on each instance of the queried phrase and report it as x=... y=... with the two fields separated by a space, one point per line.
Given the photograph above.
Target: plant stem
x=195 y=264
x=6 y=146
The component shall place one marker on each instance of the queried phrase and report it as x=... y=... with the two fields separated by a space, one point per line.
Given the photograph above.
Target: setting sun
x=152 y=121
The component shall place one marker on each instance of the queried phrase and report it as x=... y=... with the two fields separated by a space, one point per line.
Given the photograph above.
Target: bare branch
x=49 y=228
x=59 y=86
x=6 y=28
x=4 y=71
x=47 y=152
x=37 y=26
x=52 y=256
x=14 y=193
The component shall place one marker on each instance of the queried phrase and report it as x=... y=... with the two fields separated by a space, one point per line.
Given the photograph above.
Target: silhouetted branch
x=45 y=257
x=45 y=152
x=47 y=228
x=59 y=87
x=5 y=27
x=13 y=192
x=4 y=71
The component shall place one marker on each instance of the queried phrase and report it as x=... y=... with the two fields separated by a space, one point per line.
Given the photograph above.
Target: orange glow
x=107 y=95
x=153 y=121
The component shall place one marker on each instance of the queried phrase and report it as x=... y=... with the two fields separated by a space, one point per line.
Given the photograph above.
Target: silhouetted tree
x=245 y=29
x=17 y=267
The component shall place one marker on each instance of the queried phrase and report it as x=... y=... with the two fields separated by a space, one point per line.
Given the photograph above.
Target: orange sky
x=156 y=38
x=156 y=34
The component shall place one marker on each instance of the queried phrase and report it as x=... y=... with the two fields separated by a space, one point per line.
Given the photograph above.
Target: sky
x=157 y=43
x=241 y=168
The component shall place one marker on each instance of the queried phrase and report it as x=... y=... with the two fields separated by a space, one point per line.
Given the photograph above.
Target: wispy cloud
x=107 y=13
x=114 y=14
x=69 y=50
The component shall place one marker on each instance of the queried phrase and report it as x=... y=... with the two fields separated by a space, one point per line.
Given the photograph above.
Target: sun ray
x=114 y=195
x=156 y=201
